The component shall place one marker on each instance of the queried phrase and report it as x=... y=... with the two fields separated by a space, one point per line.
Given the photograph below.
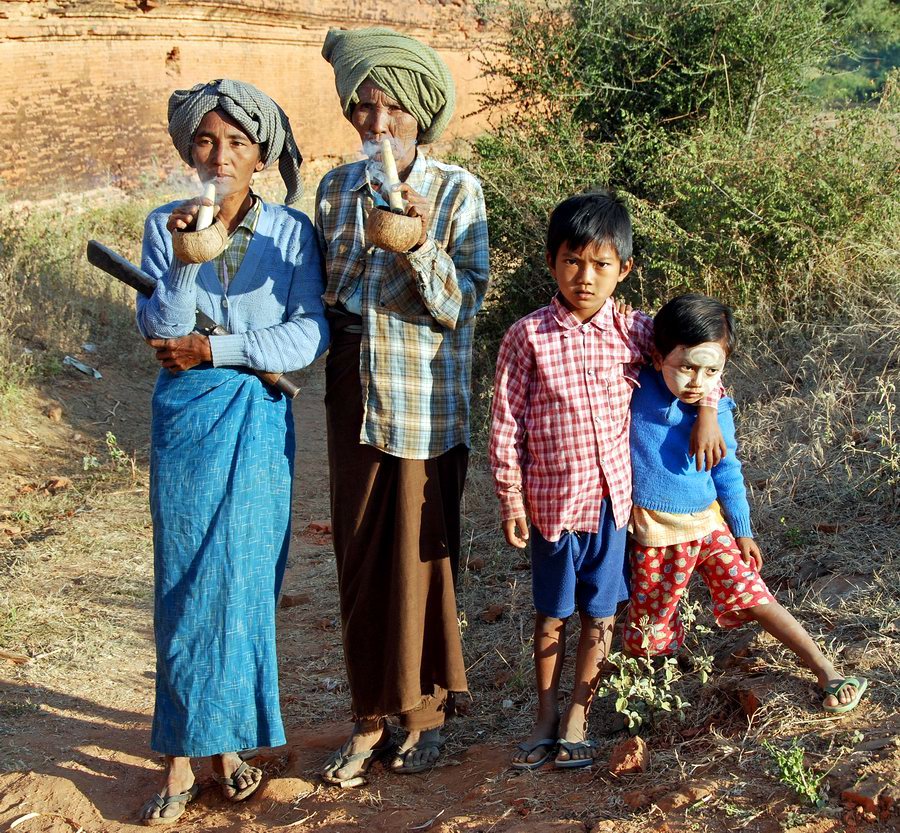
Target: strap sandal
x=549 y=744
x=179 y=801
x=231 y=782
x=835 y=687
x=404 y=768
x=340 y=759
x=572 y=747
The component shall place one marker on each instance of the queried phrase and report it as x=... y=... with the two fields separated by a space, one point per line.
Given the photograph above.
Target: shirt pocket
x=620 y=384
x=398 y=291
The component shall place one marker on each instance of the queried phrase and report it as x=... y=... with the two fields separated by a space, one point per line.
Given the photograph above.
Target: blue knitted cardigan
x=664 y=474
x=273 y=307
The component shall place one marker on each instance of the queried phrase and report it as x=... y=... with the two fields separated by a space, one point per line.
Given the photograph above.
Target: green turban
x=405 y=68
x=258 y=115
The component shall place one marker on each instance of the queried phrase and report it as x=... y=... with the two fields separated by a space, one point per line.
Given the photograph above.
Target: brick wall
x=84 y=83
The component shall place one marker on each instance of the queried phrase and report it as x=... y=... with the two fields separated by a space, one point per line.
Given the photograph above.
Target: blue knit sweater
x=664 y=473
x=273 y=307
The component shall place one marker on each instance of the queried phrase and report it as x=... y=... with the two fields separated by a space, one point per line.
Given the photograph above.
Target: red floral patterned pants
x=659 y=579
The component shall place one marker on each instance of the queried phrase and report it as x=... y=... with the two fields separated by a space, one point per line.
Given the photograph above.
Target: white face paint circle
x=691 y=372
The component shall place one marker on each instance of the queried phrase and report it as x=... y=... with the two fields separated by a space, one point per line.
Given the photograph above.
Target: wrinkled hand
x=181 y=353
x=750 y=552
x=707 y=442
x=515 y=530
x=417 y=206
x=184 y=215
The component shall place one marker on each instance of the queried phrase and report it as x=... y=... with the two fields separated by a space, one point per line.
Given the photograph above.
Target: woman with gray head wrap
x=397 y=397
x=222 y=444
x=254 y=112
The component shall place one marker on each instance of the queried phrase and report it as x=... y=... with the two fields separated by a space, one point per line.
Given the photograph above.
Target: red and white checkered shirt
x=560 y=417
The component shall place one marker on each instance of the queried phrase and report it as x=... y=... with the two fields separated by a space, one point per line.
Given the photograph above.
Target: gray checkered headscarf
x=257 y=114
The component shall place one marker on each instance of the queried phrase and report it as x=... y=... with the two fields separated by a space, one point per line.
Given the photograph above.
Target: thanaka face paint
x=692 y=372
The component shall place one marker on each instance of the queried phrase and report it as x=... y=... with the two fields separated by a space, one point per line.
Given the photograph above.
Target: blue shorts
x=586 y=570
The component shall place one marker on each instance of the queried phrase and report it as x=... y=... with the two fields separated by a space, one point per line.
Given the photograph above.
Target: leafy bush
x=698 y=113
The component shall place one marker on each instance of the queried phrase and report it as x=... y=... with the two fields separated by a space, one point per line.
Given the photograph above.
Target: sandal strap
x=835 y=687
x=571 y=745
x=530 y=747
x=178 y=798
x=231 y=780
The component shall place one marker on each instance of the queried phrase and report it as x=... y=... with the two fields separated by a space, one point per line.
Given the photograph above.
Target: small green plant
x=117 y=457
x=89 y=461
x=793 y=772
x=794 y=537
x=644 y=685
x=643 y=689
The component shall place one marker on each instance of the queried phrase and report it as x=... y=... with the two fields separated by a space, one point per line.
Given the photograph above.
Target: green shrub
x=698 y=113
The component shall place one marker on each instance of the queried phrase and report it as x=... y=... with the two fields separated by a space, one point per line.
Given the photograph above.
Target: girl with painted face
x=685 y=520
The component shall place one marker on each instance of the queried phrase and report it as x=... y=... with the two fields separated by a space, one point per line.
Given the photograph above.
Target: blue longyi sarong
x=221 y=470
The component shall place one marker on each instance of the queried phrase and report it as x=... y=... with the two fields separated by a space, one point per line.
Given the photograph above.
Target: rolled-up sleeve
x=452 y=281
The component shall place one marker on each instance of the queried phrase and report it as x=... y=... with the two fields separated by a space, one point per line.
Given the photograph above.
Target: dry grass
x=820 y=447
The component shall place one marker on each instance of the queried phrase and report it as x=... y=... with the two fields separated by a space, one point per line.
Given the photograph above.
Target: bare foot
x=179 y=778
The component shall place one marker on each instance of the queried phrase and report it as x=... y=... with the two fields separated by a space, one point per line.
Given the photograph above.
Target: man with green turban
x=406 y=69
x=397 y=396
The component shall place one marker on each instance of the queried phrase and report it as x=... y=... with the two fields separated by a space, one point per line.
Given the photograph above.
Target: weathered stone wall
x=84 y=83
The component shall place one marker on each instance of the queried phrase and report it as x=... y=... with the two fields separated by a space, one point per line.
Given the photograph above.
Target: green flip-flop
x=835 y=687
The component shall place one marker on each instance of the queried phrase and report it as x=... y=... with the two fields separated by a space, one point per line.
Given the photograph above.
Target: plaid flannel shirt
x=229 y=261
x=418 y=308
x=560 y=417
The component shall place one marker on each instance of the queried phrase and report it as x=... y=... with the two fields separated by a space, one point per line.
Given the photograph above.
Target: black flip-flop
x=418 y=746
x=571 y=746
x=549 y=743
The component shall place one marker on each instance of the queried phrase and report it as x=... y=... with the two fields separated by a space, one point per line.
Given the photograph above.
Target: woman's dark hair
x=597 y=216
x=693 y=319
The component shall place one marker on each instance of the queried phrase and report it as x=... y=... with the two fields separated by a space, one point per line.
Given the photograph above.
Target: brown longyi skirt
x=396 y=536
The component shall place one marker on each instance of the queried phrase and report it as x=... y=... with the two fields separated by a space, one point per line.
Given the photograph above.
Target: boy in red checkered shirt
x=560 y=453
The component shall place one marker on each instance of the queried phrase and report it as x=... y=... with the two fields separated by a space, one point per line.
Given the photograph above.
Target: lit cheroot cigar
x=205 y=214
x=391 y=177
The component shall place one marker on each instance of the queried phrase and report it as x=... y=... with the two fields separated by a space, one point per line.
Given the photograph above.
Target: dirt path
x=74 y=722
x=76 y=742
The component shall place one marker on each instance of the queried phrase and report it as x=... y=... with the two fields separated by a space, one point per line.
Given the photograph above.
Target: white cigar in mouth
x=391 y=177
x=205 y=214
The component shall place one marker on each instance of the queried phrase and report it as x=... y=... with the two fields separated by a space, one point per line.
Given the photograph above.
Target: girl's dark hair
x=693 y=319
x=599 y=216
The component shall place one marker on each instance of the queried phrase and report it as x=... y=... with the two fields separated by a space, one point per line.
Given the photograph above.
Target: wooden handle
x=281 y=382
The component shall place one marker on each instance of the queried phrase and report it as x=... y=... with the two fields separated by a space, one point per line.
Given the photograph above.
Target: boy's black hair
x=598 y=216
x=693 y=319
